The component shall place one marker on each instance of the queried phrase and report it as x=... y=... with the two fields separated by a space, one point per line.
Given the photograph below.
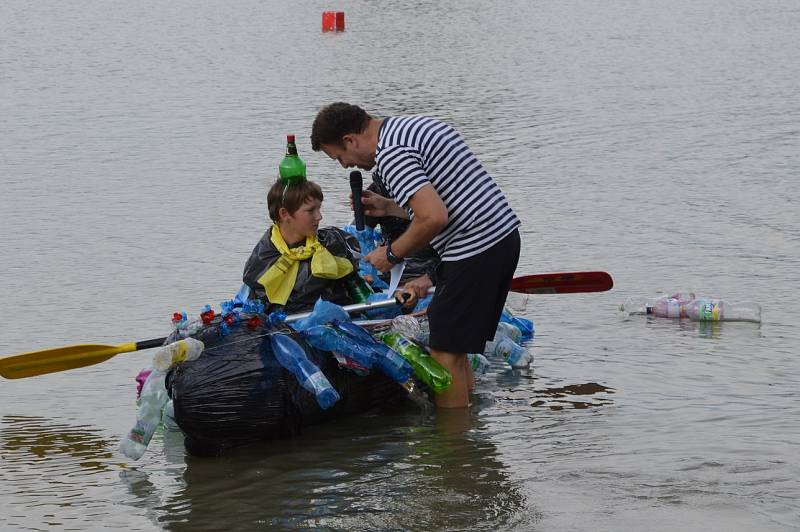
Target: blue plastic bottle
x=326 y=338
x=292 y=357
x=389 y=361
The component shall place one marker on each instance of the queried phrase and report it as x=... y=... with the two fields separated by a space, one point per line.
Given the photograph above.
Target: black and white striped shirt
x=416 y=150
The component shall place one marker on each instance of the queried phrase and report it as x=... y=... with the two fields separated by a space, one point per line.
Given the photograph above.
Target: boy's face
x=303 y=222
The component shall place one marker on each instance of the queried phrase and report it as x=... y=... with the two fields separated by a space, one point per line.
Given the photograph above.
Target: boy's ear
x=283 y=214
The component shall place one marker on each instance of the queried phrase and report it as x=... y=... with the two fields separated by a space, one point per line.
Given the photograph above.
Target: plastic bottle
x=411 y=327
x=292 y=357
x=524 y=325
x=168 y=417
x=507 y=330
x=323 y=312
x=662 y=307
x=426 y=368
x=721 y=310
x=148 y=416
x=389 y=361
x=351 y=340
x=479 y=363
x=327 y=338
x=292 y=169
x=180 y=351
x=517 y=356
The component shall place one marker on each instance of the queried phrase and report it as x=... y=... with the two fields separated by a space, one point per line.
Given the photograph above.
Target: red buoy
x=333 y=21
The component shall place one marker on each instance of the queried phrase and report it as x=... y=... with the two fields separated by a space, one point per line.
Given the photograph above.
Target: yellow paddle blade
x=59 y=359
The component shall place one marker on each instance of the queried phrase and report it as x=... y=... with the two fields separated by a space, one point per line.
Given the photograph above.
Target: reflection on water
x=555 y=396
x=25 y=441
x=404 y=472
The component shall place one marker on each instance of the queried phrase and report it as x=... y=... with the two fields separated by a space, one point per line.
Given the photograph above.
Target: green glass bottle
x=426 y=368
x=292 y=168
x=357 y=288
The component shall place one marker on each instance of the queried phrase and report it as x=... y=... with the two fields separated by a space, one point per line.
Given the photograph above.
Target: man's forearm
x=418 y=235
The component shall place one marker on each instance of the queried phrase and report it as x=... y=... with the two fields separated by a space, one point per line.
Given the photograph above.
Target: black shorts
x=470 y=295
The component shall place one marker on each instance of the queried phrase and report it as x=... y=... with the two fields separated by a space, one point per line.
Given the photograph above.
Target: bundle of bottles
x=398 y=352
x=687 y=305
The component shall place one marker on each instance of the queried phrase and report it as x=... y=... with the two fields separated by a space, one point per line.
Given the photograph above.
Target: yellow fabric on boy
x=278 y=281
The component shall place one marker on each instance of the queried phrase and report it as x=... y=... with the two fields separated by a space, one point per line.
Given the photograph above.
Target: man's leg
x=457 y=394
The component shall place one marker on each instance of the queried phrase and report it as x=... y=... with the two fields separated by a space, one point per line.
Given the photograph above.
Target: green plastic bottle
x=292 y=168
x=426 y=368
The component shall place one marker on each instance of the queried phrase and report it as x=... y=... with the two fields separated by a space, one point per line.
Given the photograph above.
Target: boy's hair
x=336 y=120
x=291 y=197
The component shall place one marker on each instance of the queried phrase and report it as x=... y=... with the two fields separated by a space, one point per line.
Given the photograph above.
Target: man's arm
x=430 y=217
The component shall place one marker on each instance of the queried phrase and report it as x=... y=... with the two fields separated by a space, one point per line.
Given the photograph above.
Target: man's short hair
x=292 y=199
x=336 y=120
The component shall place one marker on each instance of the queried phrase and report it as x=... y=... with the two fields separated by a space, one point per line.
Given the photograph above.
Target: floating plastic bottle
x=662 y=307
x=721 y=310
x=292 y=357
x=517 y=356
x=479 y=364
x=148 y=416
x=180 y=351
x=292 y=169
x=685 y=305
x=426 y=368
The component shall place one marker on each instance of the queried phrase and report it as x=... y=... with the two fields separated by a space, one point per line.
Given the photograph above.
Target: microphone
x=358 y=208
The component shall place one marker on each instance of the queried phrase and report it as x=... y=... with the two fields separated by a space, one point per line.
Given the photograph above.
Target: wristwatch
x=391 y=257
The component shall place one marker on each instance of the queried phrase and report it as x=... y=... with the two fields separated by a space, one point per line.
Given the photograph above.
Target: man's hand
x=412 y=291
x=378 y=206
x=377 y=257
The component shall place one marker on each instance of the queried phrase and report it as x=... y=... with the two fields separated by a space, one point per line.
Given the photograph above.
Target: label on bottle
x=709 y=311
x=142 y=432
x=317 y=382
x=673 y=308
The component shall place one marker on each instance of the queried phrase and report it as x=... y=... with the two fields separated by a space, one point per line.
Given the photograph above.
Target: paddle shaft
x=71 y=357
x=77 y=356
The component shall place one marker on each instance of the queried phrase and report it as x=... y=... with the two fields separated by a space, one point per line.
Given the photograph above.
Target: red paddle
x=562 y=283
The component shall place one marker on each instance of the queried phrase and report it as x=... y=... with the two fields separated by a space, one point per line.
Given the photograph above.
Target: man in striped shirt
x=436 y=181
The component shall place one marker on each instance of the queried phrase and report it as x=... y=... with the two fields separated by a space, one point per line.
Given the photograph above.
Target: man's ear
x=350 y=141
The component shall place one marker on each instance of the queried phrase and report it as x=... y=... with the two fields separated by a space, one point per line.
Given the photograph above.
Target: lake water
x=658 y=141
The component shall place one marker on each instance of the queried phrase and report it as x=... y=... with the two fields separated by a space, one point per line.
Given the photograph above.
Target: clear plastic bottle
x=168 y=417
x=721 y=310
x=507 y=330
x=662 y=307
x=426 y=368
x=148 y=416
x=524 y=325
x=180 y=351
x=292 y=357
x=517 y=356
x=479 y=363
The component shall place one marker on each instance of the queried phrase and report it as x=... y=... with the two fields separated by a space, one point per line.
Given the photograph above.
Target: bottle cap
x=289 y=138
